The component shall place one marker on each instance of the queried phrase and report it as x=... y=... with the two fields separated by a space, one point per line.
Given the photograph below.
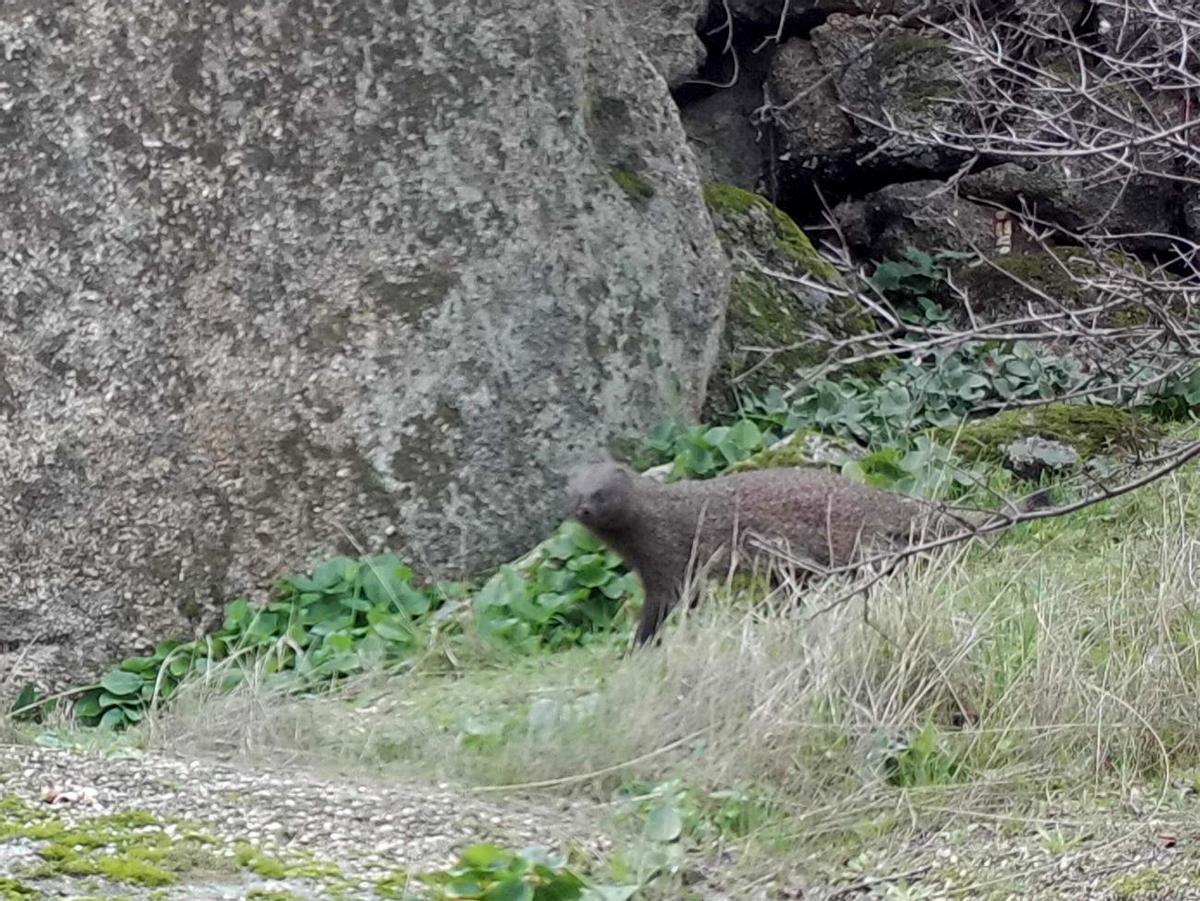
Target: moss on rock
x=133 y=848
x=1145 y=883
x=1092 y=431
x=802 y=449
x=790 y=240
x=14 y=890
x=775 y=325
x=636 y=186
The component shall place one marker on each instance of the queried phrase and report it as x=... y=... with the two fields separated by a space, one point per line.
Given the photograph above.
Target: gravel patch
x=367 y=830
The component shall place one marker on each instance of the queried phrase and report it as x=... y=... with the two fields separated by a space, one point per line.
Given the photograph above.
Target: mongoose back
x=662 y=529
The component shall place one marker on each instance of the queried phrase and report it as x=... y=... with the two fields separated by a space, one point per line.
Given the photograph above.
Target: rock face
x=665 y=30
x=278 y=274
x=1081 y=199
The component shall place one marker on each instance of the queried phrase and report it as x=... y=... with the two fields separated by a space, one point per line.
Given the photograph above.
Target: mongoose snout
x=598 y=495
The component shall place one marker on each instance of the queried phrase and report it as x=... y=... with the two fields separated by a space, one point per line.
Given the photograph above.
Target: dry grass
x=1066 y=658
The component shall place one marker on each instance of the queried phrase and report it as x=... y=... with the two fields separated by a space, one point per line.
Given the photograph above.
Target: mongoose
x=660 y=530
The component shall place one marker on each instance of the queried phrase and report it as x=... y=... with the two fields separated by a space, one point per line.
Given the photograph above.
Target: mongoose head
x=600 y=495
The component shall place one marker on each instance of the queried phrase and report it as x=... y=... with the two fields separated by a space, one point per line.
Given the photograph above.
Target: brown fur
x=661 y=531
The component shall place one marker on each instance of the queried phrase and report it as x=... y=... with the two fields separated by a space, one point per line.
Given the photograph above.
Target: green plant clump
x=487 y=872
x=699 y=451
x=576 y=590
x=346 y=616
x=350 y=615
x=914 y=283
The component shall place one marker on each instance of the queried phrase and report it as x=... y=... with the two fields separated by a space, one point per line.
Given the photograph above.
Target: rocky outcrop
x=284 y=276
x=1086 y=198
x=893 y=84
x=925 y=215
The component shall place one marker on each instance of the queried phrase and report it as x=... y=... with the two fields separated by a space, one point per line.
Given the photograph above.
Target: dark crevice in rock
x=805 y=200
x=748 y=36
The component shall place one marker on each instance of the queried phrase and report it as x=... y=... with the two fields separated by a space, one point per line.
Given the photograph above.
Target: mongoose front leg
x=661 y=596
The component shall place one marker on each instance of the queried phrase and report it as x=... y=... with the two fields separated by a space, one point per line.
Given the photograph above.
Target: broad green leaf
x=560 y=545
x=354 y=604
x=510 y=890
x=617 y=588
x=746 y=435
x=28 y=695
x=590 y=570
x=339 y=643
x=334 y=571
x=88 y=705
x=464 y=887
x=664 y=824
x=139 y=664
x=113 y=719
x=500 y=589
x=484 y=856
x=393 y=630
x=120 y=682
x=584 y=540
x=263 y=627
x=237 y=614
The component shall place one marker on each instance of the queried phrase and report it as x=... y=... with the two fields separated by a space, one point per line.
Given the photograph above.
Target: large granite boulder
x=283 y=277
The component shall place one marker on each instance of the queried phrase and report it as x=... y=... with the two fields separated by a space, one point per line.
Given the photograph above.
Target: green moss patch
x=299 y=867
x=800 y=449
x=133 y=848
x=1011 y=283
x=1092 y=431
x=790 y=241
x=11 y=890
x=634 y=185
x=1144 y=883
